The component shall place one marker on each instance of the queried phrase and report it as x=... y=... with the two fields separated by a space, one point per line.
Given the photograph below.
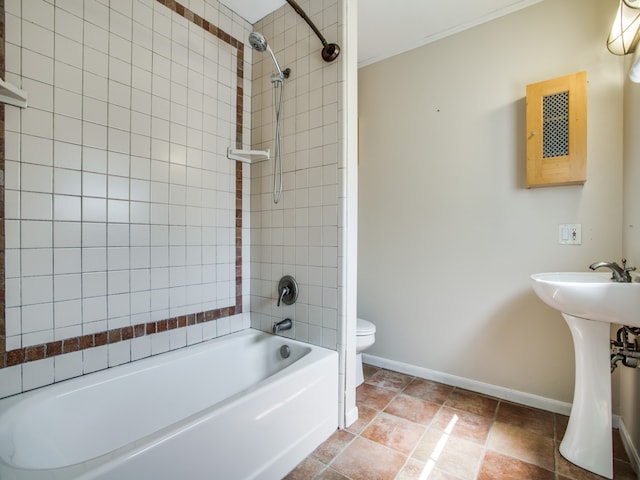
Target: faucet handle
x=625 y=268
x=287 y=290
x=284 y=291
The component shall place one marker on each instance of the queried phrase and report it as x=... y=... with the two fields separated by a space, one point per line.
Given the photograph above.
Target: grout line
x=485 y=446
x=426 y=429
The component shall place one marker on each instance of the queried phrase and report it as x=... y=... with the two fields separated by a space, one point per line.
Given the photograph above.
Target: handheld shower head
x=259 y=43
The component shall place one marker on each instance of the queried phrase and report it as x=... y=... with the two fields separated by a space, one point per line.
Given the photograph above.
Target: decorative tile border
x=74 y=344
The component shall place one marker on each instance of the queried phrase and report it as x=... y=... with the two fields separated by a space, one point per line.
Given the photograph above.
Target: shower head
x=330 y=52
x=259 y=43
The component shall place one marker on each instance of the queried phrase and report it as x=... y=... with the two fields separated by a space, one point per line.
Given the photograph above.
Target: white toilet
x=365 y=337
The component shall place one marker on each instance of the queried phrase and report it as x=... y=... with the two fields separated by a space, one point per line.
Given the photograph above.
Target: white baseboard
x=351 y=416
x=629 y=447
x=515 y=396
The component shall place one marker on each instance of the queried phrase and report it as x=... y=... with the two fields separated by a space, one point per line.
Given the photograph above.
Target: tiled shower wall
x=124 y=222
x=300 y=235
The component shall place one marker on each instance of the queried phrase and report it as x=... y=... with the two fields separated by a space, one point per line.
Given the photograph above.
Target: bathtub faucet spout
x=285 y=324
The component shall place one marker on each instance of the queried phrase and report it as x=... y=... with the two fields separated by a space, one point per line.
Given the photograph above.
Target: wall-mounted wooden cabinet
x=557 y=131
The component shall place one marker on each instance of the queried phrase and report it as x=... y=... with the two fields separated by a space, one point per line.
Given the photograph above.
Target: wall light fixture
x=625 y=31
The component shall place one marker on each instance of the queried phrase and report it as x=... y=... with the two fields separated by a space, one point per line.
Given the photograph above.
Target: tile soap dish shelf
x=12 y=95
x=248 y=156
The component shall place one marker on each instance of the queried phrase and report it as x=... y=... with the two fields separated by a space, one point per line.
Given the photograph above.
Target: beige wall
x=448 y=233
x=630 y=379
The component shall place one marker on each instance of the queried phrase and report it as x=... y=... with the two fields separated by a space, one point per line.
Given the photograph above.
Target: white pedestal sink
x=589 y=303
x=587 y=441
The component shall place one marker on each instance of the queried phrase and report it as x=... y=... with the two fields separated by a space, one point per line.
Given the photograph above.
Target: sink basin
x=590 y=295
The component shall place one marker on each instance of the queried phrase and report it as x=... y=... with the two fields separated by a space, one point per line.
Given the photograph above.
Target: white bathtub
x=231 y=408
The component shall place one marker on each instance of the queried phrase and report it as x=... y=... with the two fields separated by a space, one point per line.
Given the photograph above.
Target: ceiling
x=388 y=28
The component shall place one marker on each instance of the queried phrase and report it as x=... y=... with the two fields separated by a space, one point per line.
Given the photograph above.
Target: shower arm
x=302 y=13
x=330 y=51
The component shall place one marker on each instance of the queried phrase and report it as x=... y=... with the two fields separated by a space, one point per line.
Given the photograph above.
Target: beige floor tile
x=394 y=432
x=365 y=415
x=522 y=444
x=531 y=419
x=368 y=370
x=306 y=470
x=330 y=474
x=367 y=460
x=412 y=408
x=465 y=425
x=455 y=456
x=331 y=447
x=416 y=470
x=472 y=402
x=429 y=391
x=373 y=397
x=390 y=380
x=500 y=467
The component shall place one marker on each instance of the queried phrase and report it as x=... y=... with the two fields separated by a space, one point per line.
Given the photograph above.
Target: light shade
x=624 y=34
x=634 y=72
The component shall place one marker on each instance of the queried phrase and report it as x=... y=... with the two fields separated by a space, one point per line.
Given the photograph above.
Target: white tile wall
x=299 y=235
x=119 y=198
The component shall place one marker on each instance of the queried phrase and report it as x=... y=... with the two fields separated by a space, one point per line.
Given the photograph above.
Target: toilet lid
x=365 y=327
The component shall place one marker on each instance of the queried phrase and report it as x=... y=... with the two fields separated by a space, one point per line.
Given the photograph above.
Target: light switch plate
x=570 y=234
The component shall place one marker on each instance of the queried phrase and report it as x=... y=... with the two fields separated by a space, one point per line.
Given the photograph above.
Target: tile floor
x=411 y=428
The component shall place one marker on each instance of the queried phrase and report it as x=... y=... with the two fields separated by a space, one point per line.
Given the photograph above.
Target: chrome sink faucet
x=618 y=273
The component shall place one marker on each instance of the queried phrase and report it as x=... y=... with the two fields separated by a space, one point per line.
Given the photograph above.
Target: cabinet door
x=557 y=131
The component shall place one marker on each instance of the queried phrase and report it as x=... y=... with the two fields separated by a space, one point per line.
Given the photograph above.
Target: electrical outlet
x=570 y=234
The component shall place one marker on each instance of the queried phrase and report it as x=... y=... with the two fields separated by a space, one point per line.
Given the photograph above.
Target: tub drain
x=285 y=351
